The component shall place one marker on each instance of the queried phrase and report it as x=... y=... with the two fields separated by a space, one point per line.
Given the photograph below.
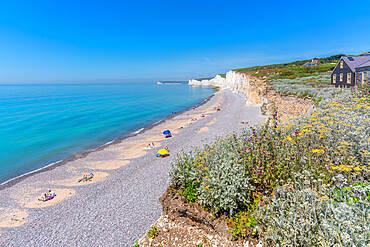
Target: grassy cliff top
x=293 y=69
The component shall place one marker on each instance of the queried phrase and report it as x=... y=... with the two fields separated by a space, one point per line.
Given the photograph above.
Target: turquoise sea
x=42 y=124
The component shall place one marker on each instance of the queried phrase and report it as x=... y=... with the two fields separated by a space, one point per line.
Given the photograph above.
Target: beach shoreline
x=122 y=198
x=83 y=153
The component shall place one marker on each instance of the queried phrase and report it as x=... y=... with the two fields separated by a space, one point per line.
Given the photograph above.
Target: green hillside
x=293 y=69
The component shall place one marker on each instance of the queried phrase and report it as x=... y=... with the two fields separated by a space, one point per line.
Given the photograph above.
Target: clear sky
x=85 y=41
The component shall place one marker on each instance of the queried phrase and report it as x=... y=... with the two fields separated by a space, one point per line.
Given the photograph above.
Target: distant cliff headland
x=172 y=82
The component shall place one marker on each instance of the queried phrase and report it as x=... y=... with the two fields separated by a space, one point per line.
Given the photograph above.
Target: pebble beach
x=120 y=203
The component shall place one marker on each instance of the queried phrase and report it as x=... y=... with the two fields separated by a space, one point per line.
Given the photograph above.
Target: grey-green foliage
x=317 y=87
x=222 y=181
x=309 y=213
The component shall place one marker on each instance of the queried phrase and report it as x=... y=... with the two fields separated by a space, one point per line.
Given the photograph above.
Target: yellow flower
x=357 y=169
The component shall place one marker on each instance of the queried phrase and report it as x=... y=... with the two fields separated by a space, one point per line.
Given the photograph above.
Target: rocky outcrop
x=257 y=91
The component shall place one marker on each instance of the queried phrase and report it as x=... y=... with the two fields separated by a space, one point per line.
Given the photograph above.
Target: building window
x=341 y=64
x=341 y=77
x=349 y=78
x=364 y=77
x=334 y=78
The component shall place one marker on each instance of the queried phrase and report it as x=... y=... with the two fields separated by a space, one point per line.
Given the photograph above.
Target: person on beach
x=86 y=178
x=166 y=148
x=48 y=196
x=153 y=144
x=202 y=115
x=51 y=194
x=43 y=198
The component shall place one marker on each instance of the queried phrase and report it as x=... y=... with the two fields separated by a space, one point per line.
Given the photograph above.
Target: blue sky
x=88 y=41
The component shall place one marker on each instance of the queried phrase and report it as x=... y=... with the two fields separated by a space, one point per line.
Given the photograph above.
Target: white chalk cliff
x=254 y=88
x=258 y=93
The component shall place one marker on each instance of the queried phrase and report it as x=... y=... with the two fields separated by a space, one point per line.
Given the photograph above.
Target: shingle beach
x=121 y=202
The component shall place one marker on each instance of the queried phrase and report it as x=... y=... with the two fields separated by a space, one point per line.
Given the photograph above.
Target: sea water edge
x=118 y=134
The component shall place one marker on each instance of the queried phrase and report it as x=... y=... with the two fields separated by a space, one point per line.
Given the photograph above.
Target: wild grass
x=315 y=87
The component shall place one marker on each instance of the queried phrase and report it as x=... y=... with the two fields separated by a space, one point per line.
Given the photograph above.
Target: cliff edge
x=258 y=92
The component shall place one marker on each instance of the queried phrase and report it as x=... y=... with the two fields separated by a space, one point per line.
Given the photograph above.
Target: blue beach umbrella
x=166 y=132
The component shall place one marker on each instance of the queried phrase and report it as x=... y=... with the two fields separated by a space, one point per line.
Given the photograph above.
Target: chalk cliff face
x=258 y=93
x=253 y=87
x=217 y=81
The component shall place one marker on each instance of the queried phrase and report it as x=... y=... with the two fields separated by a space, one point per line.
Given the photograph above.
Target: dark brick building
x=350 y=71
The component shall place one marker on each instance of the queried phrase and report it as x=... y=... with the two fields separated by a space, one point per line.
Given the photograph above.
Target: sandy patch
x=12 y=217
x=204 y=129
x=98 y=176
x=212 y=122
x=133 y=153
x=106 y=164
x=28 y=197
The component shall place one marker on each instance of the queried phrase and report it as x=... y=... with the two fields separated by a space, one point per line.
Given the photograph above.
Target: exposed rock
x=287 y=106
x=174 y=207
x=186 y=224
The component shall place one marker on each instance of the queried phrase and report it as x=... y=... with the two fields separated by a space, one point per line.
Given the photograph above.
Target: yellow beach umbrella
x=162 y=151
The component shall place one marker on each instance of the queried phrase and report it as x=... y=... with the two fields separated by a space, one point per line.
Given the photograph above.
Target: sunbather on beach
x=51 y=194
x=86 y=178
x=166 y=148
x=43 y=198
x=202 y=115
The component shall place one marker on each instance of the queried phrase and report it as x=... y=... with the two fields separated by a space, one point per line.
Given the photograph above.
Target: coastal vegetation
x=315 y=87
x=293 y=69
x=302 y=183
